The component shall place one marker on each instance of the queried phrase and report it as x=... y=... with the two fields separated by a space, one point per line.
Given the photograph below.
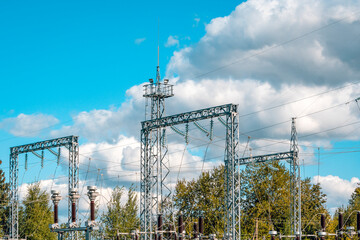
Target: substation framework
x=70 y=142
x=291 y=157
x=154 y=192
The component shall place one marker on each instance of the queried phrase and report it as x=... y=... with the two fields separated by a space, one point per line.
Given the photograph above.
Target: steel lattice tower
x=295 y=184
x=154 y=167
x=232 y=201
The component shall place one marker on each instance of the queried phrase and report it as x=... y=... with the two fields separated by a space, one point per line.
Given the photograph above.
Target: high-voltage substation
x=154 y=191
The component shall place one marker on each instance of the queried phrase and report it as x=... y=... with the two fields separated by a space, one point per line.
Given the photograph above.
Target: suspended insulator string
x=42 y=158
x=26 y=162
x=202 y=128
x=211 y=129
x=58 y=156
x=187 y=133
x=178 y=131
x=163 y=142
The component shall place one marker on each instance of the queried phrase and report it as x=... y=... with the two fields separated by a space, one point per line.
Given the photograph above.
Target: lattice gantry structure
x=152 y=173
x=295 y=180
x=70 y=142
x=154 y=168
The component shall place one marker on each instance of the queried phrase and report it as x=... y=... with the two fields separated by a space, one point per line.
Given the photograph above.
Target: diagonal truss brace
x=70 y=142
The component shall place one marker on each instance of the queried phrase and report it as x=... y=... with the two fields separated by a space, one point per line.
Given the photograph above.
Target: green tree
x=351 y=209
x=36 y=215
x=121 y=217
x=312 y=205
x=204 y=196
x=4 y=201
x=265 y=200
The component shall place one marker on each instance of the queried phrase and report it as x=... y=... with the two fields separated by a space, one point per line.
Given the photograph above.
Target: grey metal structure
x=288 y=156
x=151 y=174
x=70 y=142
x=154 y=167
x=295 y=184
x=295 y=180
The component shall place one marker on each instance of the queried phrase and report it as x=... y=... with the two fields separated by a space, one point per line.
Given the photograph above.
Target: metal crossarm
x=188 y=117
x=70 y=142
x=57 y=142
x=265 y=158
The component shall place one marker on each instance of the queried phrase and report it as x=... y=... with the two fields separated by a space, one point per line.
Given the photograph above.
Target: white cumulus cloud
x=338 y=190
x=278 y=41
x=172 y=41
x=139 y=40
x=28 y=125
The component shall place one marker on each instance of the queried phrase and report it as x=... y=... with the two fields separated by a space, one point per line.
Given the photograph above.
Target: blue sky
x=75 y=56
x=77 y=67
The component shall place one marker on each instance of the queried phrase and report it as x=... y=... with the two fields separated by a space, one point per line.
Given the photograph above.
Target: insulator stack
x=74 y=196
x=159 y=228
x=201 y=226
x=56 y=219
x=180 y=227
x=322 y=232
x=73 y=212
x=341 y=225
x=341 y=221
x=323 y=222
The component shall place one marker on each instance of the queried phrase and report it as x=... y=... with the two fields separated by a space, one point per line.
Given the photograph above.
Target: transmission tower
x=295 y=184
x=154 y=167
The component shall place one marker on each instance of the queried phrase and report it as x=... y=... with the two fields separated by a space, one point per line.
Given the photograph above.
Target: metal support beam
x=232 y=221
x=295 y=184
x=70 y=142
x=154 y=168
x=187 y=117
x=266 y=158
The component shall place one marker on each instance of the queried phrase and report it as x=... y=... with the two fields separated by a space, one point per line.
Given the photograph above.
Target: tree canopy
x=4 y=201
x=36 y=215
x=265 y=200
x=121 y=217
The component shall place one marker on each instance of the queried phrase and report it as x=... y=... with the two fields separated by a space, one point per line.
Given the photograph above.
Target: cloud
x=108 y=124
x=269 y=129
x=139 y=40
x=28 y=125
x=172 y=41
x=337 y=190
x=278 y=41
x=197 y=20
x=279 y=79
